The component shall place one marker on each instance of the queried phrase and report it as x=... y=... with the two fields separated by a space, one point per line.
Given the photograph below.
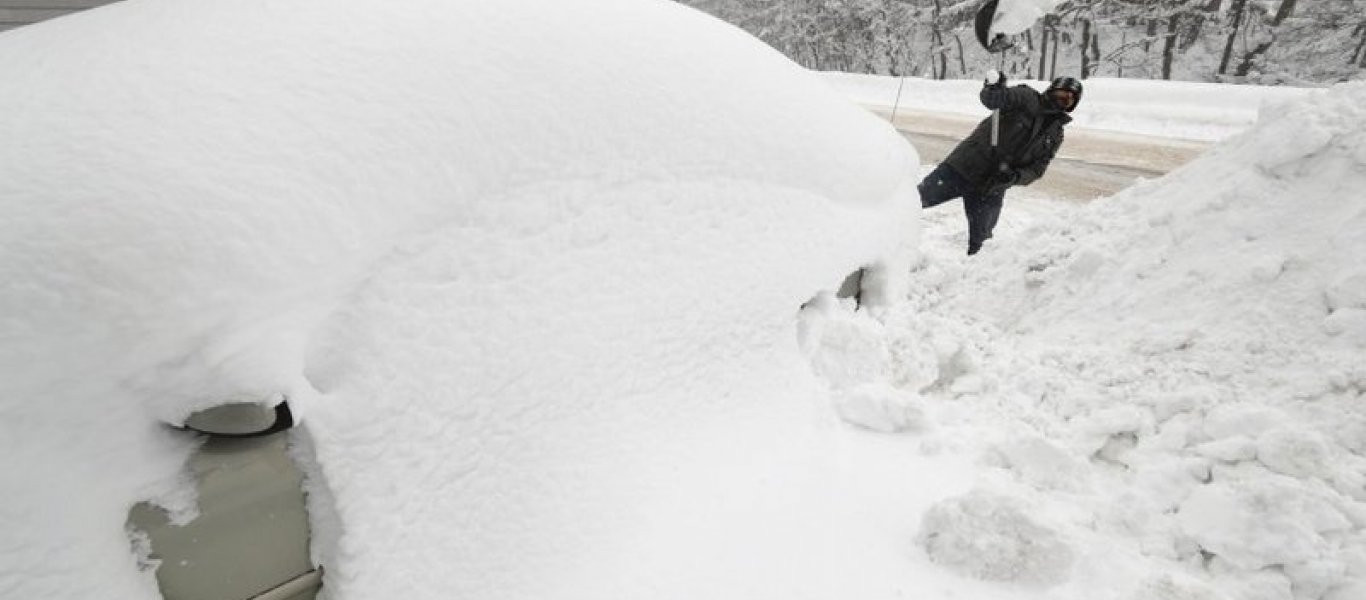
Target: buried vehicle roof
x=511 y=262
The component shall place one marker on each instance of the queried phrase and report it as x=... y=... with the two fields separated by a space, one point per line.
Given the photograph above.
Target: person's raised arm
x=995 y=95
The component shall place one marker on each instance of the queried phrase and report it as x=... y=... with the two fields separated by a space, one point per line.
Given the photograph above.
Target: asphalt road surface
x=1091 y=164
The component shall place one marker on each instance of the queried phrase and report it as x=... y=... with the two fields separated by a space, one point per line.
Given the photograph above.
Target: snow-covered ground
x=535 y=291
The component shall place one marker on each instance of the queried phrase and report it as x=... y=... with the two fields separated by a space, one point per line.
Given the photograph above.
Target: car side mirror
x=241 y=420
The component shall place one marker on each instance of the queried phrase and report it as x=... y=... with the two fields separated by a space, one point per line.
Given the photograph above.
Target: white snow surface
x=1170 y=109
x=1015 y=16
x=535 y=293
x=529 y=271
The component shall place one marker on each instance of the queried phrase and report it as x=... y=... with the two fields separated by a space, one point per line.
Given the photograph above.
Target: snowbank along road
x=1092 y=163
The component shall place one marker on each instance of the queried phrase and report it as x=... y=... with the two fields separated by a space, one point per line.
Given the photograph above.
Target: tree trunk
x=1085 y=48
x=1095 y=50
x=1043 y=50
x=1237 y=9
x=1119 y=64
x=1287 y=8
x=1053 y=63
x=1361 y=47
x=1168 y=46
x=1196 y=23
x=937 y=38
x=962 y=62
x=1152 y=33
x=1356 y=54
x=938 y=63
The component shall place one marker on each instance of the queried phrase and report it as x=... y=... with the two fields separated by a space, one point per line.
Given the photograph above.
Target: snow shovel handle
x=995 y=127
x=995 y=78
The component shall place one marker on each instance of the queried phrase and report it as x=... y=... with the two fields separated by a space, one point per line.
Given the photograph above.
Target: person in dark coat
x=1030 y=132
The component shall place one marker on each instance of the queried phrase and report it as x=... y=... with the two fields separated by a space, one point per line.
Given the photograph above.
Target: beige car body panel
x=250 y=539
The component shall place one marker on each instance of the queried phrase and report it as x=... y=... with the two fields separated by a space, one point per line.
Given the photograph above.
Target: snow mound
x=1195 y=342
x=993 y=537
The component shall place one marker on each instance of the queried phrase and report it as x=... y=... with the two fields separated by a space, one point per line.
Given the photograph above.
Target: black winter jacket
x=1031 y=132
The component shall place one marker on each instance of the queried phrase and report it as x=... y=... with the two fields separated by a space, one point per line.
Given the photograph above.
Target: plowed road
x=1091 y=164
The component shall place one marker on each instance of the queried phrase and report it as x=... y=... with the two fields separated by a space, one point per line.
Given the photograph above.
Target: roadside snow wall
x=1174 y=377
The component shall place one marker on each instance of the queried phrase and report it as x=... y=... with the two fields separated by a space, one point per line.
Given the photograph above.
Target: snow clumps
x=850 y=350
x=993 y=537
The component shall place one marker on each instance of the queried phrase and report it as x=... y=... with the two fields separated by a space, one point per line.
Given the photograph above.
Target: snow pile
x=527 y=270
x=1172 y=377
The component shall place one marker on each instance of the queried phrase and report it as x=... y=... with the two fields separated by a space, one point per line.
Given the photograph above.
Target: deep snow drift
x=1164 y=390
x=528 y=270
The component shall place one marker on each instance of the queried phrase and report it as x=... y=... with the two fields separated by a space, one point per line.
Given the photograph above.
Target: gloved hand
x=1005 y=177
x=994 y=90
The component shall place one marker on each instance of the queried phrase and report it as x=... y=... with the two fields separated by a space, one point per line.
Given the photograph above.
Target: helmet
x=1070 y=84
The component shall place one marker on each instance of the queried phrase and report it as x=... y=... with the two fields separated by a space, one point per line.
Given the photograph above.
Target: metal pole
x=995 y=127
x=996 y=112
x=897 y=102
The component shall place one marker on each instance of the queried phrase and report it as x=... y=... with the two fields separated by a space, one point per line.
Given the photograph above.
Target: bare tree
x=1169 y=46
x=1237 y=10
x=1249 y=59
x=1357 y=54
x=1282 y=40
x=1085 y=48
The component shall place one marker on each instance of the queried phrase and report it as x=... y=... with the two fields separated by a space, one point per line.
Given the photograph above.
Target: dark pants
x=982 y=209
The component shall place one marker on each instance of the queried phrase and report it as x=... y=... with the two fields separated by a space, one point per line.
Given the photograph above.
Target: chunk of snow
x=1347 y=324
x=1294 y=451
x=1230 y=420
x=1229 y=449
x=1261 y=522
x=880 y=408
x=989 y=536
x=1040 y=463
x=1015 y=16
x=1347 y=291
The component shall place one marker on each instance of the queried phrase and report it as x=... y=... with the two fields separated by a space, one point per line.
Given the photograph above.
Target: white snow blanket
x=528 y=270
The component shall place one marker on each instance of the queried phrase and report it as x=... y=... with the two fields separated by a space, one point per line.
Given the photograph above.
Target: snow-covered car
x=528 y=273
